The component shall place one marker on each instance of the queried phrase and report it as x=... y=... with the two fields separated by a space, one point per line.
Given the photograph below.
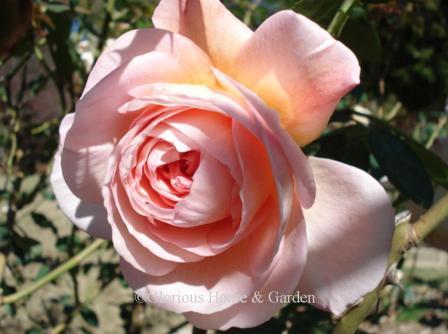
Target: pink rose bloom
x=183 y=152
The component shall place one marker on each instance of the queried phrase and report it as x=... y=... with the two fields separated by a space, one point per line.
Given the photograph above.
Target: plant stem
x=105 y=28
x=2 y=265
x=46 y=125
x=55 y=273
x=58 y=329
x=340 y=19
x=440 y=125
x=252 y=6
x=406 y=236
x=430 y=220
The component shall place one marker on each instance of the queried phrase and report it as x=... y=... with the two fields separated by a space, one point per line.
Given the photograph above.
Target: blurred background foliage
x=393 y=126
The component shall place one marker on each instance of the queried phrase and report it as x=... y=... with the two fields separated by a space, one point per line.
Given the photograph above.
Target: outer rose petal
x=137 y=42
x=349 y=231
x=89 y=217
x=282 y=275
x=228 y=273
x=128 y=247
x=207 y=23
x=299 y=70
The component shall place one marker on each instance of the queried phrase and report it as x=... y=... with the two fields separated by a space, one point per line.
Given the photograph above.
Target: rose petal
x=349 y=230
x=266 y=122
x=261 y=122
x=210 y=131
x=210 y=195
x=125 y=157
x=138 y=57
x=117 y=198
x=87 y=148
x=192 y=239
x=89 y=217
x=258 y=188
x=255 y=116
x=298 y=69
x=281 y=277
x=137 y=227
x=140 y=257
x=228 y=273
x=141 y=41
x=208 y=24
x=204 y=102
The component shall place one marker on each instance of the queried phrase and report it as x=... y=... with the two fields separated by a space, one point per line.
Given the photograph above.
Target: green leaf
x=43 y=221
x=4 y=236
x=44 y=269
x=65 y=299
x=123 y=282
x=49 y=195
x=26 y=248
x=361 y=37
x=89 y=316
x=411 y=313
x=10 y=309
x=435 y=166
x=108 y=272
x=34 y=330
x=320 y=11
x=402 y=166
x=57 y=7
x=63 y=244
x=346 y=145
x=37 y=85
